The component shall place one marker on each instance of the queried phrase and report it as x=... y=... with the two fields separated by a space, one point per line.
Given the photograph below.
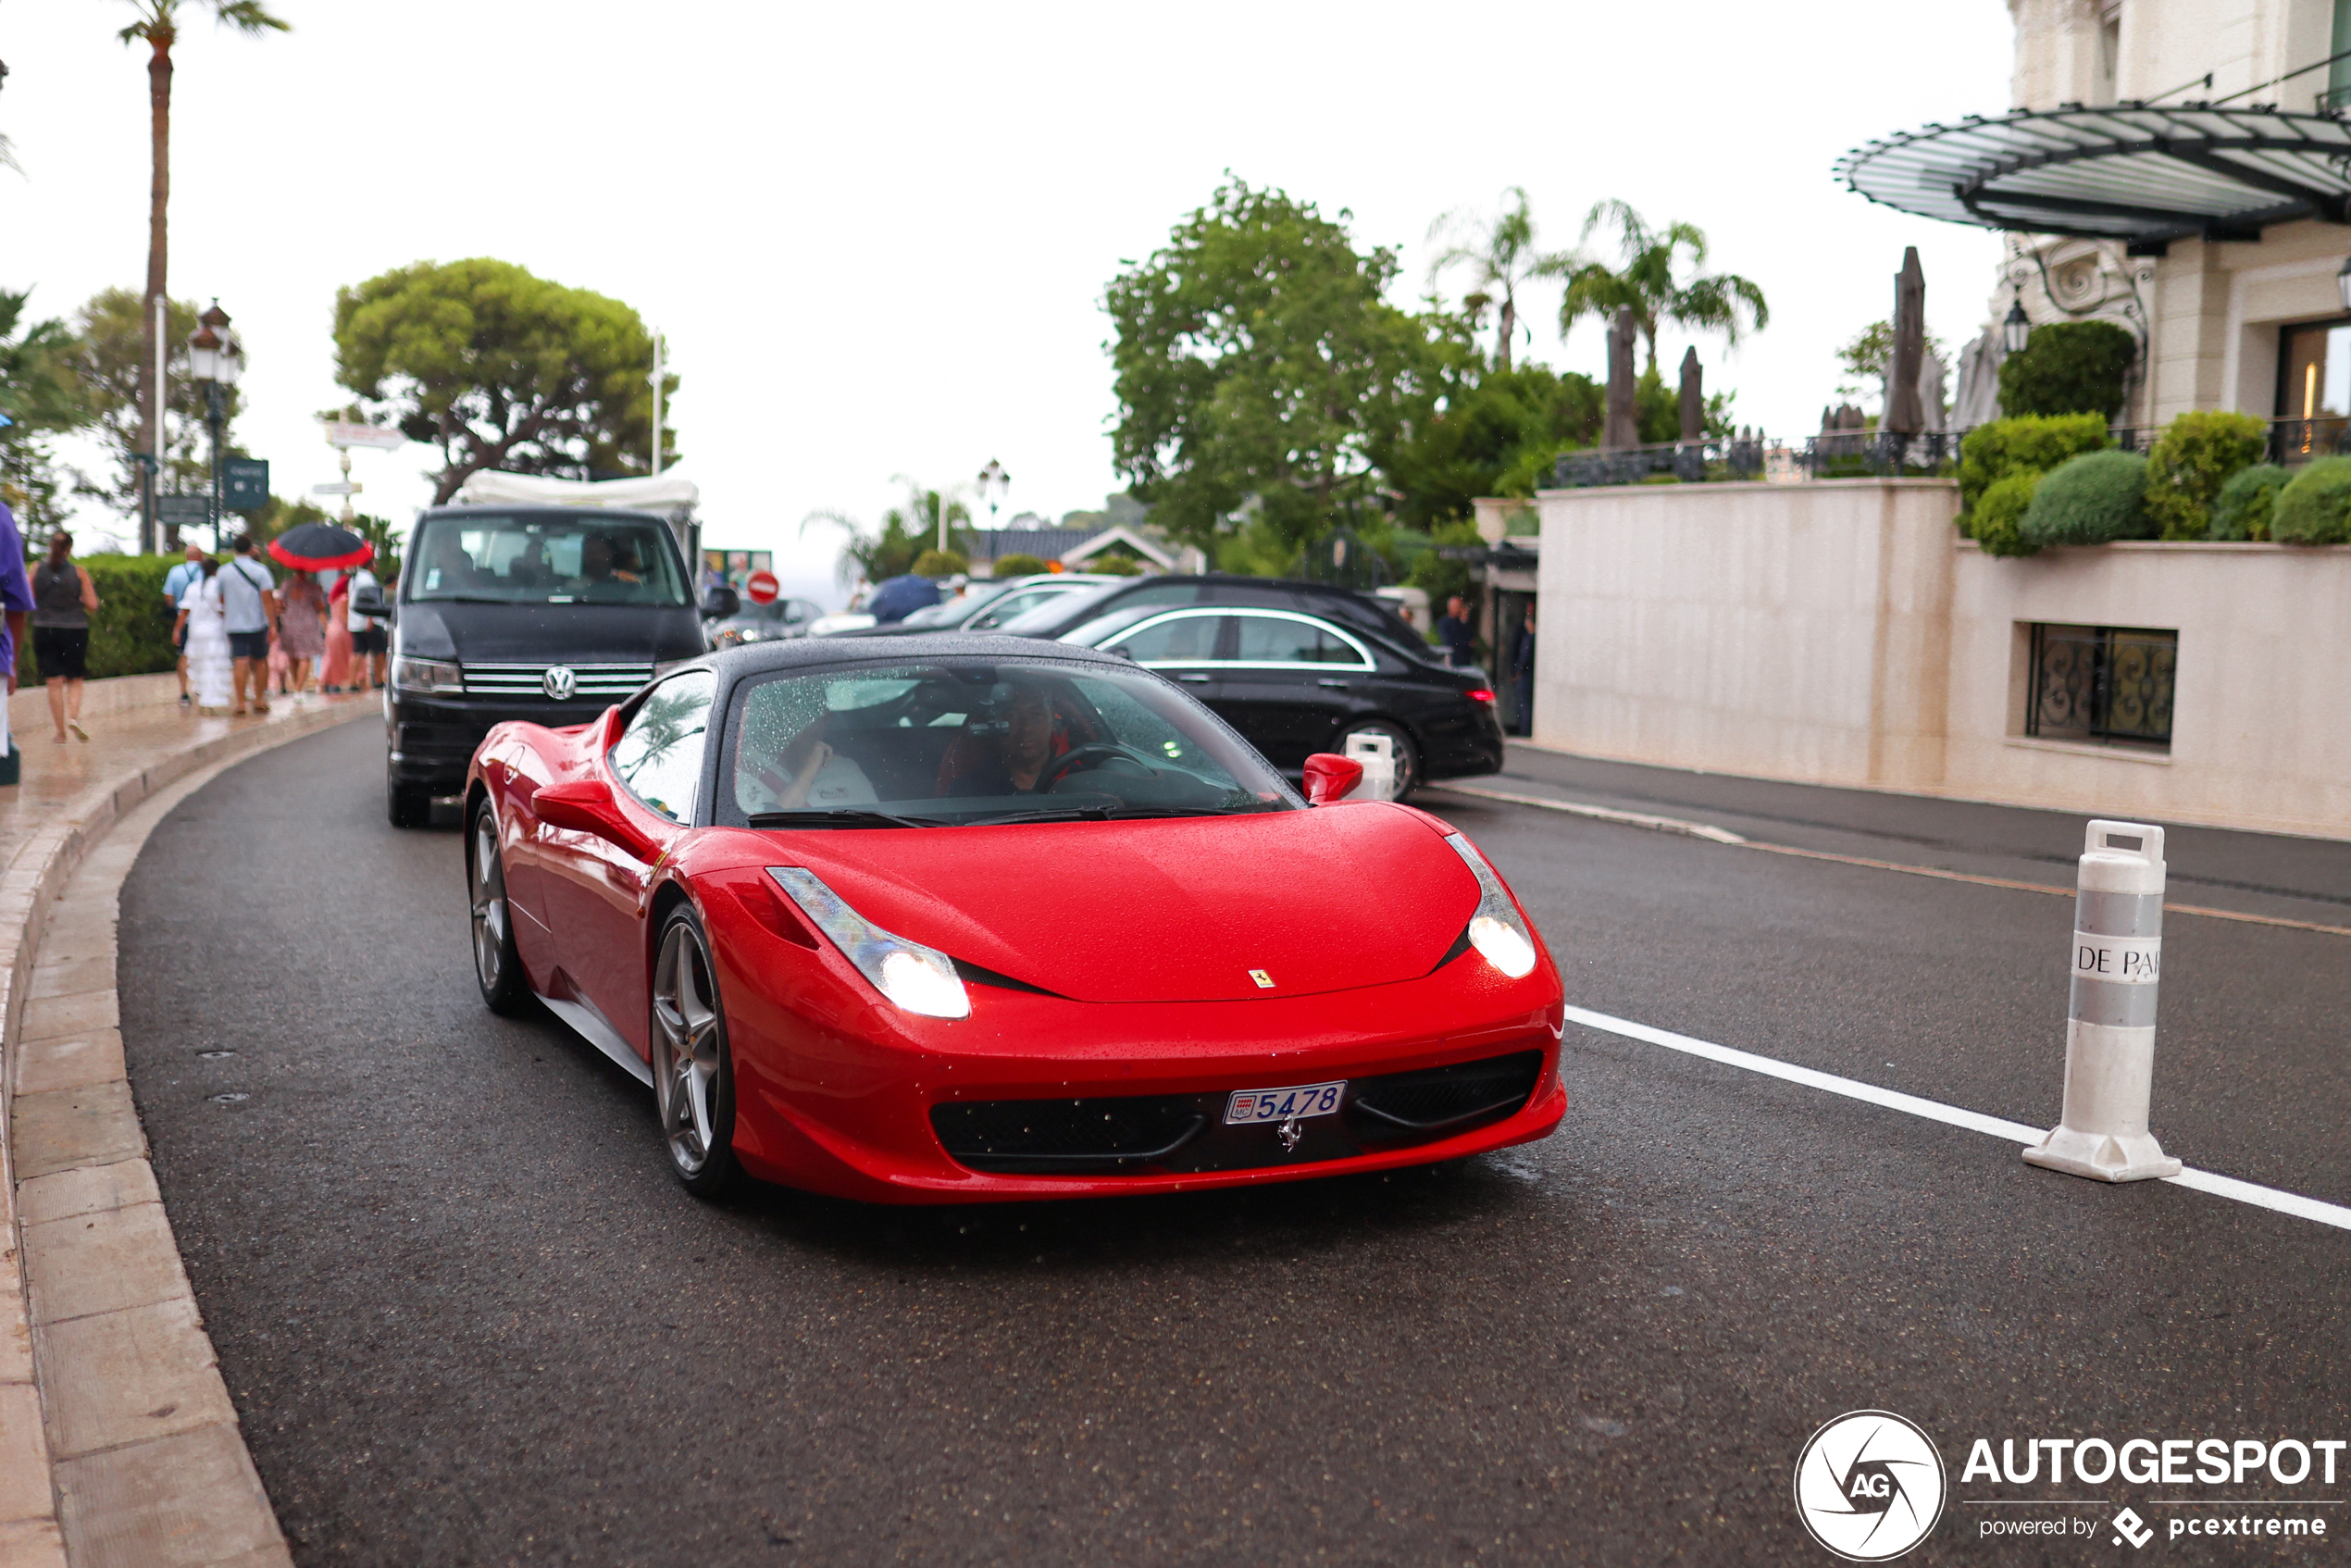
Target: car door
x=597 y=891
x=1291 y=682
x=1186 y=647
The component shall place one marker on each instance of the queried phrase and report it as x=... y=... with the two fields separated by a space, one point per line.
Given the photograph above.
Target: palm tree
x=158 y=25
x=1713 y=300
x=1500 y=254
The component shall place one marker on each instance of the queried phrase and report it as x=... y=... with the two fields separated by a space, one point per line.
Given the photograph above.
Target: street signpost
x=761 y=587
x=175 y=513
x=347 y=432
x=341 y=487
x=245 y=484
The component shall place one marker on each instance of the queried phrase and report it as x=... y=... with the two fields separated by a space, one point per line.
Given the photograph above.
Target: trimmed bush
x=1999 y=514
x=1113 y=563
x=939 y=563
x=1990 y=452
x=2070 y=367
x=2195 y=456
x=1017 y=564
x=2093 y=499
x=2242 y=508
x=2315 y=506
x=131 y=629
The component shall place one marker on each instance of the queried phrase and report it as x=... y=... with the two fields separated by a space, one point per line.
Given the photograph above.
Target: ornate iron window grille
x=2103 y=683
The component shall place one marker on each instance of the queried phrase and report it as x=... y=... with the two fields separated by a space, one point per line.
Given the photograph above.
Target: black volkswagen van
x=543 y=613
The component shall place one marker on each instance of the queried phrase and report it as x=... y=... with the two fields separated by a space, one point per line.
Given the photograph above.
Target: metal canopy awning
x=2129 y=172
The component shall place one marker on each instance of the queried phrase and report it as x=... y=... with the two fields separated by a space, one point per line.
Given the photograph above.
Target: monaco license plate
x=1281 y=1104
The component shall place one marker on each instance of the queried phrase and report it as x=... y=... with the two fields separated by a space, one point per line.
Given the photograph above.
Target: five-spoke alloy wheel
x=693 y=1080
x=496 y=966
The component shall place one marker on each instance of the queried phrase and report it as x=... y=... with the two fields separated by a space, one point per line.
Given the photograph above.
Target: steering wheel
x=1097 y=751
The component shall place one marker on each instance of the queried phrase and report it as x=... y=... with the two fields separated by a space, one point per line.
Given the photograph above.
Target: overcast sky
x=878 y=237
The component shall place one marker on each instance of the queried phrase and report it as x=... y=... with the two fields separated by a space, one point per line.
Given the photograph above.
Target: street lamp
x=2018 y=329
x=993 y=485
x=217 y=360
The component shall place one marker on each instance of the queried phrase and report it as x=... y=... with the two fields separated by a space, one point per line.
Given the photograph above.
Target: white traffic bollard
x=2109 y=1036
x=1377 y=754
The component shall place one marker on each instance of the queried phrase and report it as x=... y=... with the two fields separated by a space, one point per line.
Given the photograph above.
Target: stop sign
x=761 y=587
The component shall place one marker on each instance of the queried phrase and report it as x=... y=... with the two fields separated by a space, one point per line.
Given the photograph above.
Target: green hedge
x=2315 y=506
x=1999 y=514
x=2196 y=453
x=2070 y=367
x=2093 y=499
x=131 y=629
x=1991 y=453
x=1017 y=564
x=2242 y=508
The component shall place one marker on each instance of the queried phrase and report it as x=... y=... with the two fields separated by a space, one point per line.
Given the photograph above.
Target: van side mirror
x=721 y=602
x=1329 y=776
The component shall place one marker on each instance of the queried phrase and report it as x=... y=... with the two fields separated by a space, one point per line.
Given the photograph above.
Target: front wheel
x=694 y=1076
x=1408 y=756
x=496 y=967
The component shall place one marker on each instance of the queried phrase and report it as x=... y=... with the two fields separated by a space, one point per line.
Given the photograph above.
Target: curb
x=119 y=1444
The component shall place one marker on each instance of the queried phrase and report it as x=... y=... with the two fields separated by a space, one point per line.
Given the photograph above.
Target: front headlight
x=1495 y=930
x=427 y=674
x=918 y=978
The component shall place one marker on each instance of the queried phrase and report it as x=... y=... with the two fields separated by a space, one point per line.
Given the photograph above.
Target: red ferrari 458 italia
x=950 y=919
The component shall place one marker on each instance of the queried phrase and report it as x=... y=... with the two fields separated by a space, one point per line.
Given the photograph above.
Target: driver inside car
x=1008 y=752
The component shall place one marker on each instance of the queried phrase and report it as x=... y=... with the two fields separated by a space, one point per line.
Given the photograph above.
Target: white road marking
x=1688 y=830
x=1951 y=1115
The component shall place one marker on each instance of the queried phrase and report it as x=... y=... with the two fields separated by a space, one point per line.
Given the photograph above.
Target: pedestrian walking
x=302 y=627
x=1454 y=632
x=63 y=597
x=248 y=599
x=370 y=644
x=202 y=629
x=335 y=674
x=175 y=587
x=16 y=603
x=1522 y=675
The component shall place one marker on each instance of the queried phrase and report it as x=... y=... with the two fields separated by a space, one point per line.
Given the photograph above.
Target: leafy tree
x=107 y=358
x=1865 y=357
x=1501 y=256
x=1497 y=435
x=1647 y=281
x=502 y=370
x=157 y=24
x=39 y=398
x=939 y=563
x=905 y=533
x=1257 y=356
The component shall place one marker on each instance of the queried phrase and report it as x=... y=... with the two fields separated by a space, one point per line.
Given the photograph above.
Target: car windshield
x=1045 y=618
x=962 y=743
x=559 y=558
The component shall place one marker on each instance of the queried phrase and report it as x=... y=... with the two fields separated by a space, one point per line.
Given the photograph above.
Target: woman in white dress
x=210 y=667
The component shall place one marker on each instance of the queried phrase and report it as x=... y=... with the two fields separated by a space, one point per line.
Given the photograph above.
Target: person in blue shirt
x=174 y=587
x=16 y=603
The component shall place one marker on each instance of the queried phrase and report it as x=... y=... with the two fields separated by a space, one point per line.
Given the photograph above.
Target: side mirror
x=1328 y=777
x=721 y=603
x=586 y=806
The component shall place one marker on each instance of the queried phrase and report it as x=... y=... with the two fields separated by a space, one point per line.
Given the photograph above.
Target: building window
x=2338 y=92
x=2314 y=388
x=2102 y=684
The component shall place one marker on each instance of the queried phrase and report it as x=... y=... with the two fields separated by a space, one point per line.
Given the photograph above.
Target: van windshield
x=560 y=558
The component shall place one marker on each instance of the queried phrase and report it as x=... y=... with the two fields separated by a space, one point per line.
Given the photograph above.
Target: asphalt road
x=467 y=1318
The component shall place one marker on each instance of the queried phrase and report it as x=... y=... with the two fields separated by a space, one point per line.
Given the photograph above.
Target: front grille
x=1171 y=1133
x=1044 y=1135
x=524 y=680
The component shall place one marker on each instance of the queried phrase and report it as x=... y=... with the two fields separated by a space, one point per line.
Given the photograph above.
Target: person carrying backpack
x=249 y=597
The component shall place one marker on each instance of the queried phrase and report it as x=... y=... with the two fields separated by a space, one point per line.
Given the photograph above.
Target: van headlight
x=917 y=979
x=1495 y=930
x=427 y=674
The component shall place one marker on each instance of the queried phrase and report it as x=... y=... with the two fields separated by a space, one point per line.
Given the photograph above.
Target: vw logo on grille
x=559 y=683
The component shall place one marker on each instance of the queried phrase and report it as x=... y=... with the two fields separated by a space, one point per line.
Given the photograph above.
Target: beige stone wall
x=1841 y=633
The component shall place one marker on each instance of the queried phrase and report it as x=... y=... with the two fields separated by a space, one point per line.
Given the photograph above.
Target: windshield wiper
x=1062 y=814
x=845 y=816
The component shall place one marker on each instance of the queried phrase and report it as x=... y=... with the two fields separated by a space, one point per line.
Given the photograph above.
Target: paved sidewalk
x=117 y=1443
x=2267 y=874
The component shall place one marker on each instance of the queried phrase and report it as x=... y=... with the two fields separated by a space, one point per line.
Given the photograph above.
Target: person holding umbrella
x=305 y=550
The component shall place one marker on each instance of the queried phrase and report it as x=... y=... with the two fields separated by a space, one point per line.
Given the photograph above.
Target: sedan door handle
x=1191 y=678
x=1336 y=685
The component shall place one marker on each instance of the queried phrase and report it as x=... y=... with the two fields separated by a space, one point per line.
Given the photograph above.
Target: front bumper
x=838 y=1092
x=432 y=739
